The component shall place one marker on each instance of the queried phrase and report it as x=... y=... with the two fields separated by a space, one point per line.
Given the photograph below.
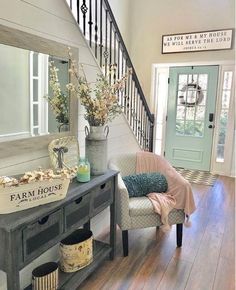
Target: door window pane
x=191 y=96
x=189 y=128
x=203 y=101
x=191 y=99
x=180 y=112
x=202 y=81
x=179 y=127
x=182 y=81
x=199 y=129
x=192 y=78
x=200 y=114
x=181 y=97
x=190 y=112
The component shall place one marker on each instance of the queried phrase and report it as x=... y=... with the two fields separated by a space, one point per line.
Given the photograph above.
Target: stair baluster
x=77 y=9
x=112 y=51
x=96 y=28
x=101 y=33
x=90 y=23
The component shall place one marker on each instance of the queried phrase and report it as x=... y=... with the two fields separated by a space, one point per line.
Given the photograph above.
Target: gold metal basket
x=76 y=251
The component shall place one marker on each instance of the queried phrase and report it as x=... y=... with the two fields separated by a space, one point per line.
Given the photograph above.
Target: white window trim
x=225 y=167
x=14 y=136
x=43 y=64
x=31 y=93
x=156 y=91
x=41 y=103
x=159 y=88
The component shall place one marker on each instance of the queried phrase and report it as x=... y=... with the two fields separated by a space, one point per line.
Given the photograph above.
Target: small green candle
x=83 y=173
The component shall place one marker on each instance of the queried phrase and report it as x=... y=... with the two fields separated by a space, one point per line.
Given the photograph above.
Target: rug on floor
x=196 y=176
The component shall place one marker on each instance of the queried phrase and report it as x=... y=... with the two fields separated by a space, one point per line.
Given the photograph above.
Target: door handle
x=211 y=117
x=211 y=126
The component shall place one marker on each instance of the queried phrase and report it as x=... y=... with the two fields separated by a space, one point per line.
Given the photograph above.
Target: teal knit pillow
x=144 y=183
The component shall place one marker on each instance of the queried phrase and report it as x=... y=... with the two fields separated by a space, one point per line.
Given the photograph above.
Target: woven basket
x=76 y=251
x=16 y=198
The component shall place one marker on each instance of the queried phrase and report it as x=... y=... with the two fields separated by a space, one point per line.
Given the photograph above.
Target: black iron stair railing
x=99 y=27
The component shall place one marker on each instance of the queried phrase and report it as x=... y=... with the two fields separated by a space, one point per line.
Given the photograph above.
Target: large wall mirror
x=26 y=111
x=28 y=107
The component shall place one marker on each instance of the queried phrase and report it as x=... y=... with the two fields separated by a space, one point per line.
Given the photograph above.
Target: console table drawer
x=77 y=212
x=102 y=196
x=39 y=235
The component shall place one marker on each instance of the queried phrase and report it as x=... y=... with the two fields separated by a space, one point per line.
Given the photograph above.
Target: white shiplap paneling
x=52 y=20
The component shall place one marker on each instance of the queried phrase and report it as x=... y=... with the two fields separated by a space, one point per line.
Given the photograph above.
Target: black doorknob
x=211 y=126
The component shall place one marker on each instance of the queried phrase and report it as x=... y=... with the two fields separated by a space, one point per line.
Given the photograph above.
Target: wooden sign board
x=197 y=41
x=24 y=196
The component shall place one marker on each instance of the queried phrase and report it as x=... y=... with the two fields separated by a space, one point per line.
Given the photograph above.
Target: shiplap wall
x=53 y=20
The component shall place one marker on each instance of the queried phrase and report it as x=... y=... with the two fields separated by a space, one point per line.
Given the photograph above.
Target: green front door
x=190 y=116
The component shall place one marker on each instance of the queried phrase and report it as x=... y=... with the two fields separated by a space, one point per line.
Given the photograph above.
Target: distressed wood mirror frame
x=17 y=38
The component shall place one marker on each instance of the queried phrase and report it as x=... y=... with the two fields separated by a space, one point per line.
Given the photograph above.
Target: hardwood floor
x=206 y=260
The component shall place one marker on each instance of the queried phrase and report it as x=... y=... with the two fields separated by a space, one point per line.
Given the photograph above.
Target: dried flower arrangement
x=100 y=99
x=37 y=175
x=59 y=101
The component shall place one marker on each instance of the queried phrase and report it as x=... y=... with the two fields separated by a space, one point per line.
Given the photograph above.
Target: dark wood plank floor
x=206 y=260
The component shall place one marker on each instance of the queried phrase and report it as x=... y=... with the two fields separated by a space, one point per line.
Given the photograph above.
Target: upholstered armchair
x=137 y=212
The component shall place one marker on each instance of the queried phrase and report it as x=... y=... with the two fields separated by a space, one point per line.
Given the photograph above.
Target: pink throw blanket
x=179 y=194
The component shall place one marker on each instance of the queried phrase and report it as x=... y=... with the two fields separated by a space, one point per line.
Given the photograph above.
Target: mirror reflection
x=28 y=106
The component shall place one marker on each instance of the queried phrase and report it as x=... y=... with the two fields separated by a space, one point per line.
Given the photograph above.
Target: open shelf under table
x=71 y=281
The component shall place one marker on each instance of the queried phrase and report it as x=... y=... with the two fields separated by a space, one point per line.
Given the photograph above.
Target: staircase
x=99 y=27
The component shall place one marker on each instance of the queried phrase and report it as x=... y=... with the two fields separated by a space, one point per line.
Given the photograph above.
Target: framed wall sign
x=197 y=41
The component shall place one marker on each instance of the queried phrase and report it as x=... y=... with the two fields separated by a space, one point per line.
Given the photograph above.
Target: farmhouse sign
x=16 y=198
x=197 y=41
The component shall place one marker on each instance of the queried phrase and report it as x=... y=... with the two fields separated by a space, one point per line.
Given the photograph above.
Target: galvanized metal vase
x=96 y=148
x=63 y=127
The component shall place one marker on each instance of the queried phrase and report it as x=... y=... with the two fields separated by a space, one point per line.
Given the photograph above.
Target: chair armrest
x=123 y=217
x=123 y=191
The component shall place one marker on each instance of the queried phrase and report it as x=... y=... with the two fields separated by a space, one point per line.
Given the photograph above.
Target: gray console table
x=25 y=235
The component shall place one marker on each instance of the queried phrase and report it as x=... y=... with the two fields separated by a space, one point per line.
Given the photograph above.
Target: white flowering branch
x=58 y=102
x=100 y=99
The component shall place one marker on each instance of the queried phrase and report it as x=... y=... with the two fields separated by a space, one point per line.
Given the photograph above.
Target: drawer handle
x=43 y=220
x=78 y=200
x=103 y=185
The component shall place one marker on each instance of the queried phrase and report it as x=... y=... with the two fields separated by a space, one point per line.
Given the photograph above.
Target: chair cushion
x=144 y=183
x=142 y=213
x=140 y=206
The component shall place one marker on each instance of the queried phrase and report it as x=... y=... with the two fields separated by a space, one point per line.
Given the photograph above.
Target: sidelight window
x=224 y=113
